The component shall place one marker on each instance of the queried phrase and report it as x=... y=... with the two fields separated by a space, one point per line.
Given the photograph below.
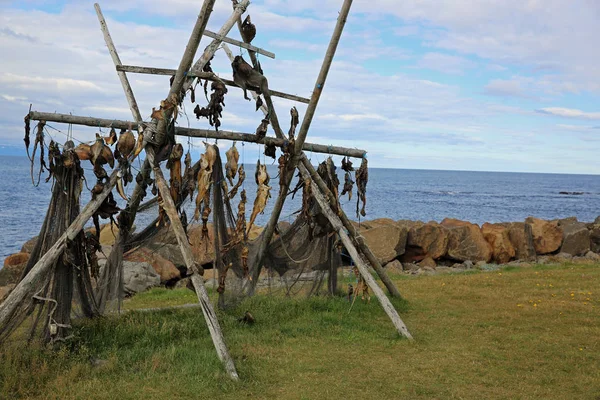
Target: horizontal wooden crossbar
x=202 y=75
x=190 y=132
x=238 y=43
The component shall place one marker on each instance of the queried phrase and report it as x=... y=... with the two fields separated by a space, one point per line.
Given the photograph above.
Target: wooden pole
x=210 y=76
x=210 y=50
x=289 y=174
x=157 y=128
x=243 y=45
x=199 y=133
x=136 y=198
x=307 y=170
x=358 y=261
x=198 y=282
x=29 y=283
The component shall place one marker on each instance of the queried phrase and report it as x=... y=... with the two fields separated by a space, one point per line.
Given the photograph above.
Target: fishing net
x=66 y=288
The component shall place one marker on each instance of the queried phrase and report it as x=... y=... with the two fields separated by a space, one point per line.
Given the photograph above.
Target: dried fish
x=270 y=151
x=347 y=164
x=111 y=138
x=241 y=178
x=263 y=193
x=248 y=30
x=231 y=167
x=362 y=178
x=262 y=129
x=295 y=120
x=213 y=111
x=260 y=175
x=348 y=185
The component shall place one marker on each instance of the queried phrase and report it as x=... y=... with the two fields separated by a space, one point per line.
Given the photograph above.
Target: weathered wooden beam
x=210 y=50
x=198 y=133
x=115 y=56
x=157 y=127
x=202 y=75
x=198 y=282
x=234 y=42
x=28 y=284
x=358 y=261
x=284 y=187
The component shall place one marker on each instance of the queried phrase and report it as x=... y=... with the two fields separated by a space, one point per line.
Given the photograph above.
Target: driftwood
x=210 y=76
x=199 y=133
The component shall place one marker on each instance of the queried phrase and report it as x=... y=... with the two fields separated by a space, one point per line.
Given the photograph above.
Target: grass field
x=526 y=333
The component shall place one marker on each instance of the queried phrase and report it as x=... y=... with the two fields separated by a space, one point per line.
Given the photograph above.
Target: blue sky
x=500 y=85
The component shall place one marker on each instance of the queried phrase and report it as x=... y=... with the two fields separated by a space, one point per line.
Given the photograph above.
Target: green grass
x=519 y=333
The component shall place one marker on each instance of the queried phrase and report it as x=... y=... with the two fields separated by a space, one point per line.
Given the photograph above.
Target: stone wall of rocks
x=399 y=246
x=416 y=244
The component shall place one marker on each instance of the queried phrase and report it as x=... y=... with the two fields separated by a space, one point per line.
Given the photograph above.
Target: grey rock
x=563 y=257
x=139 y=277
x=590 y=255
x=468 y=264
x=576 y=239
x=410 y=267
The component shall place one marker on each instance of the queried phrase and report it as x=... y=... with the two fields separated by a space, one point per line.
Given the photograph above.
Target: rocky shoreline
x=411 y=247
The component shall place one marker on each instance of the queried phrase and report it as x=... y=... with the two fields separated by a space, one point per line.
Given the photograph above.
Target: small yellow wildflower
x=572 y=294
x=551 y=285
x=553 y=295
x=535 y=305
x=519 y=305
x=580 y=349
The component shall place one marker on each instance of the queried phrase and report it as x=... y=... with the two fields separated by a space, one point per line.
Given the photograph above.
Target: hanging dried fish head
x=248 y=31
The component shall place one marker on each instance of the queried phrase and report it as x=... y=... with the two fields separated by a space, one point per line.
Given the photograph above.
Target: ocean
x=424 y=195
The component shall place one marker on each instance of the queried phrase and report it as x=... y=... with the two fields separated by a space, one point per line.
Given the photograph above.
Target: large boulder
x=377 y=222
x=139 y=277
x=595 y=236
x=108 y=234
x=521 y=237
x=29 y=245
x=16 y=259
x=427 y=262
x=497 y=236
x=386 y=242
x=547 y=236
x=165 y=269
x=171 y=252
x=14 y=265
x=426 y=240
x=466 y=242
x=576 y=239
x=394 y=267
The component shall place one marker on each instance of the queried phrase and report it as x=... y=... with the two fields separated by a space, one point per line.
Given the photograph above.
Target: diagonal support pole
x=289 y=172
x=197 y=280
x=169 y=205
x=116 y=253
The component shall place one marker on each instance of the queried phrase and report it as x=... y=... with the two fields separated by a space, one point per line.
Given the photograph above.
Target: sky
x=487 y=85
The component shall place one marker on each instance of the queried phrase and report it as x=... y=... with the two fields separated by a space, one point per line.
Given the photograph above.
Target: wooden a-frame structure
x=154 y=133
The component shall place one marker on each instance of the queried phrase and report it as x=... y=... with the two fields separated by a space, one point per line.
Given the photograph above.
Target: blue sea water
x=391 y=193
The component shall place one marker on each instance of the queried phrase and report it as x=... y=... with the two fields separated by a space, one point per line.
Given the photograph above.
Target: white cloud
x=569 y=113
